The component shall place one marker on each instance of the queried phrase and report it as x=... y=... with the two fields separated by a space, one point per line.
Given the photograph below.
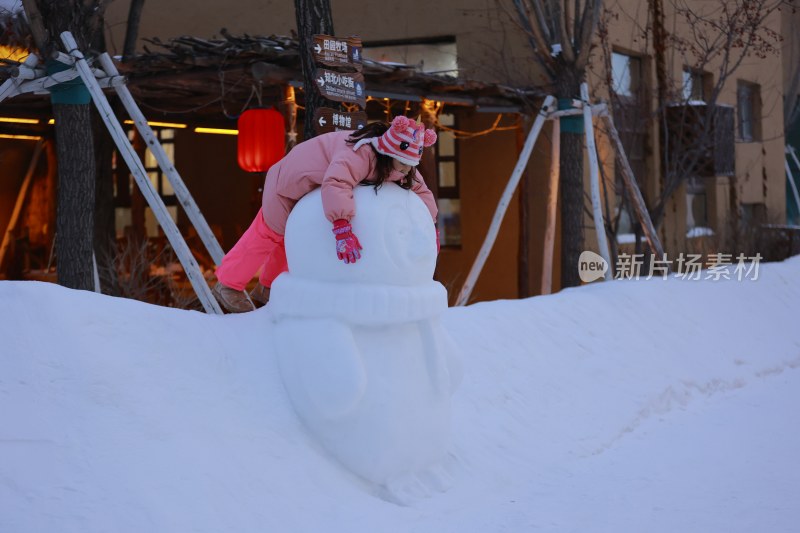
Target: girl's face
x=400 y=167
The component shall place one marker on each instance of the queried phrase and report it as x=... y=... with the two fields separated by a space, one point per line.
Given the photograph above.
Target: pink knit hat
x=404 y=140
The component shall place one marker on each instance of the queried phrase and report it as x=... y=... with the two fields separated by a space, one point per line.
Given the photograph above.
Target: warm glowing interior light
x=174 y=125
x=219 y=131
x=51 y=121
x=14 y=54
x=15 y=120
x=23 y=137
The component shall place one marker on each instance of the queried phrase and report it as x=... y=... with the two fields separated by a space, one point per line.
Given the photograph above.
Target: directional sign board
x=341 y=87
x=327 y=120
x=337 y=52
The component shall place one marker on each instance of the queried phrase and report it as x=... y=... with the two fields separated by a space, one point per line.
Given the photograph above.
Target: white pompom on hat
x=404 y=140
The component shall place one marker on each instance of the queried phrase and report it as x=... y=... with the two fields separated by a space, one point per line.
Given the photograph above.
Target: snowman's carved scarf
x=361 y=304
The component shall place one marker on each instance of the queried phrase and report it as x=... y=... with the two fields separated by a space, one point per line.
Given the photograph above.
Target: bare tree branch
x=36 y=24
x=566 y=43
x=132 y=29
x=589 y=21
x=540 y=48
x=543 y=21
x=576 y=30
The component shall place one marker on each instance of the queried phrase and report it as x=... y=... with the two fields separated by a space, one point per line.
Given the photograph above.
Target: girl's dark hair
x=383 y=163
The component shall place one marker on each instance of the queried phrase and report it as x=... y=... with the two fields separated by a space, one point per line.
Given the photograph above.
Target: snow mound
x=655 y=406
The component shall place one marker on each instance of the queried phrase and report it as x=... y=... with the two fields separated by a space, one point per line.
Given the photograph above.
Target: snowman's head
x=394 y=228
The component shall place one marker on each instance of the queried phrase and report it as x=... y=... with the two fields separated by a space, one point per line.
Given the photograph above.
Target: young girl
x=336 y=162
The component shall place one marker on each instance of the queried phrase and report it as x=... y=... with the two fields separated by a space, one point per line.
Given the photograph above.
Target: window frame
x=168 y=199
x=697 y=189
x=634 y=78
x=753 y=97
x=699 y=78
x=452 y=192
x=634 y=133
x=124 y=182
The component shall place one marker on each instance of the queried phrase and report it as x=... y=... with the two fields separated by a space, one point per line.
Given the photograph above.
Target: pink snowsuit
x=326 y=161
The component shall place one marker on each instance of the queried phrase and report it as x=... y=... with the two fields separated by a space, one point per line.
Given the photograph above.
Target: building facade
x=480 y=40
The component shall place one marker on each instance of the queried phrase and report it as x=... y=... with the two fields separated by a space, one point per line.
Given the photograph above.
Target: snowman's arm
x=444 y=366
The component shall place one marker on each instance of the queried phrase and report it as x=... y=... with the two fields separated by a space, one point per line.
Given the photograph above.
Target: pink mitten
x=347 y=245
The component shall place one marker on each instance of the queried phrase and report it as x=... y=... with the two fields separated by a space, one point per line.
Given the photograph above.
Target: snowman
x=363 y=356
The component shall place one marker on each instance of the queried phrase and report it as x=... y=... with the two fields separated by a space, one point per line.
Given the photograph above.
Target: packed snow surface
x=623 y=406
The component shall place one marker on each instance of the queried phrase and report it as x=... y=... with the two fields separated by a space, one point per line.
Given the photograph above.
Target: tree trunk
x=571 y=187
x=572 y=238
x=656 y=8
x=105 y=234
x=313 y=17
x=76 y=194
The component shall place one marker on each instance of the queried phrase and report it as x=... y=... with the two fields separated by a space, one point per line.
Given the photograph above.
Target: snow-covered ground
x=622 y=407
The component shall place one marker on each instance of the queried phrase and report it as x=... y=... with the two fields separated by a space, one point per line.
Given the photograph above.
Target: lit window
x=449 y=201
x=166 y=137
x=124 y=184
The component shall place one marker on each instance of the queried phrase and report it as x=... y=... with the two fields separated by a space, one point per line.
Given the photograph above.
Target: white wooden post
x=505 y=199
x=23 y=192
x=594 y=174
x=790 y=151
x=181 y=191
x=10 y=87
x=185 y=256
x=552 y=203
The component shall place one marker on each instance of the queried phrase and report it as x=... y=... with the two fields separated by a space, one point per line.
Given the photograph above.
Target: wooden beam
x=594 y=176
x=639 y=207
x=181 y=191
x=171 y=231
x=552 y=203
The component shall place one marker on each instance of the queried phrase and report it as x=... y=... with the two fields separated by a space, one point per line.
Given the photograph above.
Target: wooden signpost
x=341 y=87
x=342 y=81
x=327 y=120
x=336 y=52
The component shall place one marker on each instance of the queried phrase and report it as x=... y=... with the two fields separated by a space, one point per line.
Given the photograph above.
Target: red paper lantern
x=261 y=139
